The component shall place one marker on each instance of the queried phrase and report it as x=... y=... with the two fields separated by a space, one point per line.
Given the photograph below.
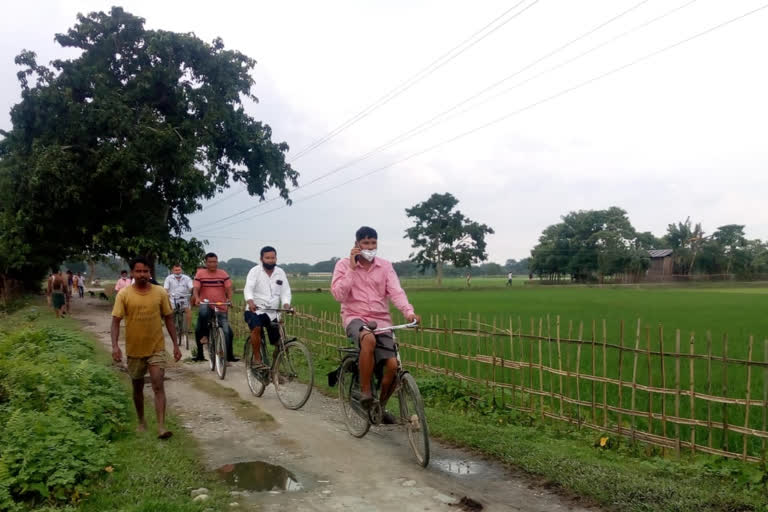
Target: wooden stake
x=594 y=373
x=664 y=386
x=621 y=365
x=512 y=358
x=634 y=377
x=541 y=367
x=725 y=392
x=559 y=367
x=677 y=390
x=765 y=393
x=578 y=371
x=691 y=351
x=749 y=393
x=551 y=376
x=709 y=389
x=605 y=374
x=453 y=349
x=650 y=380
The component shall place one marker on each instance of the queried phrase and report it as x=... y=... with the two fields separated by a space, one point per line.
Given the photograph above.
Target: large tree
x=444 y=235
x=111 y=151
x=592 y=244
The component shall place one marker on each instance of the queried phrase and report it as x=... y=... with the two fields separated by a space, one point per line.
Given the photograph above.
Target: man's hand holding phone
x=354 y=255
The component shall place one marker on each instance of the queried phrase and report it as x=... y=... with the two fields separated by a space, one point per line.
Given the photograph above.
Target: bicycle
x=180 y=318
x=411 y=405
x=217 y=341
x=291 y=371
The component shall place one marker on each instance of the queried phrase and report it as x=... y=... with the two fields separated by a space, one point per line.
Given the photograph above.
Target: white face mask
x=368 y=254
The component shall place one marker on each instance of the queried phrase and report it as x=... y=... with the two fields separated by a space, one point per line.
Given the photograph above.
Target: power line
x=530 y=106
x=419 y=76
x=224 y=198
x=421 y=127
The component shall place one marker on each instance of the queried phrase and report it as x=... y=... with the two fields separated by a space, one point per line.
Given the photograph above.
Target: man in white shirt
x=179 y=287
x=265 y=287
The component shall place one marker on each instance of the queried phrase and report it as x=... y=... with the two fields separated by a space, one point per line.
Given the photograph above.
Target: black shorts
x=385 y=343
x=262 y=320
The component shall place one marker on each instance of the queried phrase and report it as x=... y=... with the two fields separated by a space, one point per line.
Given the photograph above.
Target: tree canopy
x=111 y=151
x=444 y=235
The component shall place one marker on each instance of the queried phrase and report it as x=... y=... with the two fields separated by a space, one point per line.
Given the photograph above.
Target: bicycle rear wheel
x=180 y=334
x=412 y=415
x=293 y=375
x=221 y=354
x=349 y=391
x=254 y=377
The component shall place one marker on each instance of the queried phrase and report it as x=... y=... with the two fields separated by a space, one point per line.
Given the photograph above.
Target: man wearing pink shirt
x=364 y=284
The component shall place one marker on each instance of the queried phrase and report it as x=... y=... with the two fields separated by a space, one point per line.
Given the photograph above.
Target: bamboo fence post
x=551 y=375
x=746 y=405
x=453 y=348
x=621 y=364
x=709 y=389
x=650 y=379
x=559 y=367
x=520 y=367
x=634 y=378
x=541 y=366
x=512 y=358
x=677 y=391
x=594 y=374
x=567 y=394
x=469 y=358
x=663 y=386
x=691 y=351
x=725 y=392
x=765 y=392
x=493 y=358
x=477 y=346
x=605 y=373
x=578 y=371
x=420 y=350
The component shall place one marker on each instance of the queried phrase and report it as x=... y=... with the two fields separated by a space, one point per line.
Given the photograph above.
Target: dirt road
x=325 y=469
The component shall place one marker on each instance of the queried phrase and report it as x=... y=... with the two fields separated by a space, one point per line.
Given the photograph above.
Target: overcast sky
x=680 y=134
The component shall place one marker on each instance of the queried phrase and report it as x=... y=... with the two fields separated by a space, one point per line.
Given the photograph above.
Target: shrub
x=49 y=456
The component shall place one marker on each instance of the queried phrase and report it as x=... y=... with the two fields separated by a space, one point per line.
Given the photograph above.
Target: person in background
x=80 y=285
x=213 y=284
x=509 y=278
x=57 y=288
x=123 y=282
x=179 y=287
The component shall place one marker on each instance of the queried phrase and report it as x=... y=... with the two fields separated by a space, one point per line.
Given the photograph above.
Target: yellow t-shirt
x=143 y=313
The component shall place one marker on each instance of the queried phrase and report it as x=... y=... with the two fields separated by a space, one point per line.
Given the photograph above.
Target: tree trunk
x=92 y=270
x=439 y=273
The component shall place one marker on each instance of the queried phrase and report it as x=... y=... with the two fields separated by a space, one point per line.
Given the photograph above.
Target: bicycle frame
x=281 y=326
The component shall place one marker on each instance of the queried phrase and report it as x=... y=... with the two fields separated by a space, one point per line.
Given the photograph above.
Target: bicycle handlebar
x=206 y=303
x=276 y=310
x=377 y=330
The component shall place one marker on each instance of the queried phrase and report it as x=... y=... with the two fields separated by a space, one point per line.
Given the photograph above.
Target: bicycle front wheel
x=412 y=415
x=254 y=377
x=349 y=392
x=211 y=349
x=221 y=354
x=293 y=375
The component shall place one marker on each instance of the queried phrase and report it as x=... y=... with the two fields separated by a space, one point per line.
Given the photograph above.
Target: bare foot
x=204 y=340
x=141 y=428
x=164 y=434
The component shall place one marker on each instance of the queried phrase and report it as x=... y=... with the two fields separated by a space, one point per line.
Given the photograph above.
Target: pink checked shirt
x=363 y=293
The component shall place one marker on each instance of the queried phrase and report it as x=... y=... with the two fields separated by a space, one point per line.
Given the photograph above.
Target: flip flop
x=165 y=435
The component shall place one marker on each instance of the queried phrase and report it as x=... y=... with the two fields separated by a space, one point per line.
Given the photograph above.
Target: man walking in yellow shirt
x=144 y=307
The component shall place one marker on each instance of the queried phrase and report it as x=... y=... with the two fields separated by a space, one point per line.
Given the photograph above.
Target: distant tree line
x=591 y=245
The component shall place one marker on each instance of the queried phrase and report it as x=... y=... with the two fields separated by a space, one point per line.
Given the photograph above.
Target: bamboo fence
x=666 y=390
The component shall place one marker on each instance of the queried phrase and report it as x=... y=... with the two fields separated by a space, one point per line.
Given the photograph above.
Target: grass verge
x=144 y=473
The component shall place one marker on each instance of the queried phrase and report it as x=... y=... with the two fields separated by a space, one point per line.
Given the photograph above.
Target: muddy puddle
x=457 y=466
x=259 y=476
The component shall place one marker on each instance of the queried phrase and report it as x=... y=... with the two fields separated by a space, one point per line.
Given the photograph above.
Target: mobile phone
x=357 y=256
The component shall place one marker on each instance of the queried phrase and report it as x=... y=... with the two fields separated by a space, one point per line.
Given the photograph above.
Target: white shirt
x=267 y=291
x=178 y=287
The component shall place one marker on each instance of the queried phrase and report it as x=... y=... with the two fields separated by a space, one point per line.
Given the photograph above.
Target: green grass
x=148 y=475
x=738 y=312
